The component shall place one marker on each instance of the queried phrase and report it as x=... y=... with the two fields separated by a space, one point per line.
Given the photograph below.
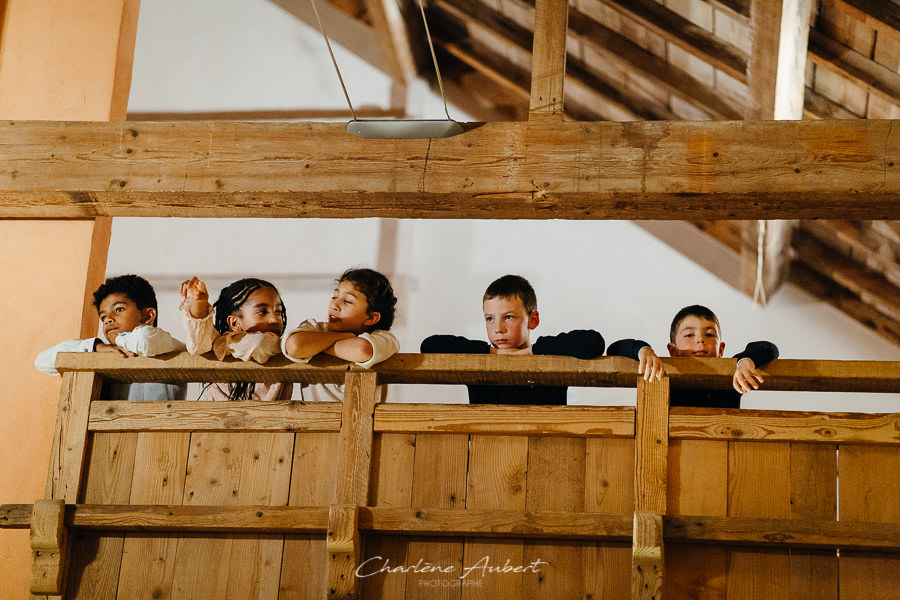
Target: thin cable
x=434 y=58
x=759 y=290
x=334 y=62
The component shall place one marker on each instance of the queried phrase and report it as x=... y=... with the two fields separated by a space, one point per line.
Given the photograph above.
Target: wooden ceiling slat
x=881 y=15
x=394 y=41
x=576 y=170
x=687 y=36
x=817 y=106
x=617 y=48
x=874 y=77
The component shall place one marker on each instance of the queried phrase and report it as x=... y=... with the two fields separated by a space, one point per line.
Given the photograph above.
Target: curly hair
x=378 y=292
x=134 y=287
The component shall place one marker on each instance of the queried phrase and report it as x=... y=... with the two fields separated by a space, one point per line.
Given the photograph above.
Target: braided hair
x=230 y=301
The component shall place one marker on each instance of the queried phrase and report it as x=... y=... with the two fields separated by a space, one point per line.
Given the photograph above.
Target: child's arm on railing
x=746 y=374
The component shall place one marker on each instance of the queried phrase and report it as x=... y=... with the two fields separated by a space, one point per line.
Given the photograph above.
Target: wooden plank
x=69 y=440
x=15 y=516
x=700 y=373
x=608 y=488
x=647 y=564
x=698 y=485
x=440 y=482
x=548 y=70
x=778 y=426
x=393 y=40
x=392 y=482
x=48 y=538
x=758 y=486
x=880 y=16
x=869 y=490
x=607 y=422
x=662 y=170
x=97 y=556
x=873 y=77
x=687 y=36
x=814 y=574
x=555 y=482
x=344 y=551
x=173 y=416
x=148 y=561
x=496 y=480
x=322 y=114
x=354 y=461
x=651 y=446
x=313 y=475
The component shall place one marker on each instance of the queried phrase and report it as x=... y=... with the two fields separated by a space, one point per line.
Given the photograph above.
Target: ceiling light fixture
x=394 y=128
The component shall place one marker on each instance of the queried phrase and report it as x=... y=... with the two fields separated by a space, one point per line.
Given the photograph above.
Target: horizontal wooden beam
x=788 y=426
x=699 y=373
x=870 y=75
x=733 y=531
x=573 y=170
x=309 y=114
x=214 y=416
x=594 y=421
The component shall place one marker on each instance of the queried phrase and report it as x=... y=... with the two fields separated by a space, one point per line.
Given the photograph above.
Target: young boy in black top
x=510 y=313
x=695 y=332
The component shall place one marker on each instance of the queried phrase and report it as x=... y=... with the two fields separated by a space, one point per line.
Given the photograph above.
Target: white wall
x=606 y=275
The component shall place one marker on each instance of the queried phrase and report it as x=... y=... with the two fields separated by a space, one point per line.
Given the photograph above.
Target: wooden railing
x=359 y=499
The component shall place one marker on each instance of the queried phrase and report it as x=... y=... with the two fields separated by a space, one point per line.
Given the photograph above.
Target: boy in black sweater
x=695 y=332
x=510 y=313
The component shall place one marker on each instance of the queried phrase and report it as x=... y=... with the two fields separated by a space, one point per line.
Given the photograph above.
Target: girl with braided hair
x=246 y=322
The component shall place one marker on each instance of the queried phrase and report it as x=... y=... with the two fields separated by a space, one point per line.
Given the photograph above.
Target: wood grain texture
x=48 y=539
x=148 y=561
x=354 y=460
x=608 y=488
x=651 y=443
x=647 y=576
x=758 y=573
x=70 y=438
x=496 y=480
x=548 y=61
x=698 y=485
x=778 y=426
x=699 y=373
x=869 y=490
x=344 y=546
x=598 y=421
x=636 y=170
x=214 y=416
x=868 y=74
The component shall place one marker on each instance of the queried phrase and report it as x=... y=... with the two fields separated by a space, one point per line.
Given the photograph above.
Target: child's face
x=697 y=337
x=349 y=310
x=118 y=314
x=507 y=322
x=260 y=313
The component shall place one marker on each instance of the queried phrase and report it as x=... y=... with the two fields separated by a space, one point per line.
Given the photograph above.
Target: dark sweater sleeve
x=453 y=344
x=759 y=352
x=627 y=348
x=580 y=343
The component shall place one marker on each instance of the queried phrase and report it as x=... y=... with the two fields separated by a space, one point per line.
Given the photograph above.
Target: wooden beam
x=362 y=112
x=699 y=373
x=761 y=283
x=548 y=63
x=817 y=106
x=784 y=426
x=344 y=549
x=650 y=170
x=48 y=548
x=699 y=246
x=647 y=561
x=606 y=422
x=397 y=51
x=284 y=415
x=689 y=37
x=871 y=76
x=651 y=447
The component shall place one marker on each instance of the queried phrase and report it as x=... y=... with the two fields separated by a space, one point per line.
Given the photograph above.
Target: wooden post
x=48 y=547
x=548 y=59
x=651 y=447
x=353 y=474
x=343 y=545
x=70 y=439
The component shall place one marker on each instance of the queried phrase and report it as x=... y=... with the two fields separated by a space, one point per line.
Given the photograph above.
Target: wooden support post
x=353 y=474
x=651 y=447
x=70 y=438
x=647 y=556
x=48 y=547
x=548 y=62
x=343 y=545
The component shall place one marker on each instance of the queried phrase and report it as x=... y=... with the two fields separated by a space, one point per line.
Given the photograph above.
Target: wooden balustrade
x=364 y=500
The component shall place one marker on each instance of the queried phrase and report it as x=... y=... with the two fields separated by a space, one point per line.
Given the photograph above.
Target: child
x=695 y=332
x=245 y=322
x=360 y=314
x=127 y=309
x=510 y=313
